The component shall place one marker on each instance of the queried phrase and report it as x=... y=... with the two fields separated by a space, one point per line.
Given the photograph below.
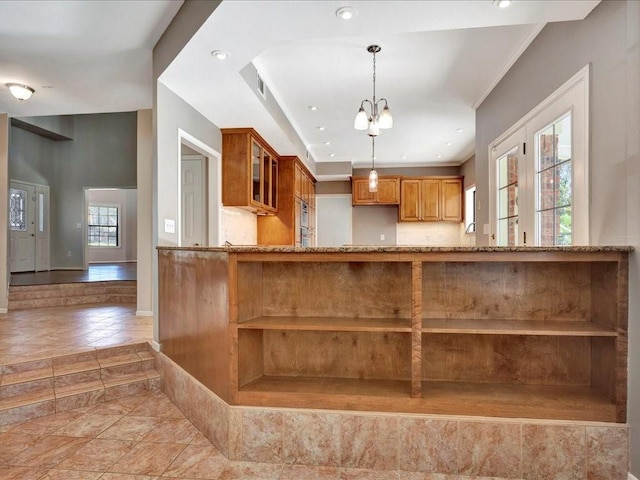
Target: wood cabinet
x=430 y=199
x=249 y=171
x=478 y=331
x=296 y=187
x=388 y=191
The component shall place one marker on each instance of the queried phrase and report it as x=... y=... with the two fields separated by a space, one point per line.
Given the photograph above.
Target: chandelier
x=373 y=175
x=372 y=120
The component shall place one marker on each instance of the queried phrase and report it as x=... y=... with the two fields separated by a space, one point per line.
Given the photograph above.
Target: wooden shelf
x=517 y=401
x=517 y=327
x=337 y=324
x=443 y=398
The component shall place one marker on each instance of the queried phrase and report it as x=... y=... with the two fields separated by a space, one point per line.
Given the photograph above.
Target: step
x=64 y=294
x=37 y=388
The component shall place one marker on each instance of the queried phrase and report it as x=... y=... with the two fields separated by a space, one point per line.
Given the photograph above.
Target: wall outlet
x=78 y=225
x=69 y=253
x=169 y=226
x=382 y=236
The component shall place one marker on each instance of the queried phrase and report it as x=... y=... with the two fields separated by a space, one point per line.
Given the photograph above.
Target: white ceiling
x=439 y=60
x=80 y=56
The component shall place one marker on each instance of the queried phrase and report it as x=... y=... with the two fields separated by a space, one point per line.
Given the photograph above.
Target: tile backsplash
x=239 y=227
x=433 y=234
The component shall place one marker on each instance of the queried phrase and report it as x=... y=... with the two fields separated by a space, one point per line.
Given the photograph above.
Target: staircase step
x=32 y=389
x=35 y=296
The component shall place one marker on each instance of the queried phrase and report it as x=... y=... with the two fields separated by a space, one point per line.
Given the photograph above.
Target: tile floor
x=141 y=437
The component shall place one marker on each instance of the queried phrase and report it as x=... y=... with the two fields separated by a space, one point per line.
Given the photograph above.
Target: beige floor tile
x=89 y=425
x=147 y=458
x=131 y=428
x=195 y=461
x=97 y=455
x=58 y=474
x=48 y=452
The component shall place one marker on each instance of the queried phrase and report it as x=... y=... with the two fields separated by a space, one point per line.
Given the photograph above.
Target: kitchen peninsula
x=522 y=332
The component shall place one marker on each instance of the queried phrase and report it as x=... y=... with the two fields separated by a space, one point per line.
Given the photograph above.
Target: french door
x=538 y=173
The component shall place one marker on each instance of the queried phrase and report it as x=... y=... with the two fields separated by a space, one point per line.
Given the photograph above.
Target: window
x=103 y=226
x=18 y=210
x=553 y=183
x=470 y=210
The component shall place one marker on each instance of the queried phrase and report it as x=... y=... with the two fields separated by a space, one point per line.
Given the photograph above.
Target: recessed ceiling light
x=403 y=157
x=459 y=130
x=321 y=128
x=502 y=3
x=448 y=144
x=346 y=13
x=438 y=156
x=313 y=108
x=327 y=143
x=220 y=54
x=332 y=155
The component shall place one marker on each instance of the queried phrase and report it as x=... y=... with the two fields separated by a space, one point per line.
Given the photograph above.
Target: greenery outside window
x=103 y=226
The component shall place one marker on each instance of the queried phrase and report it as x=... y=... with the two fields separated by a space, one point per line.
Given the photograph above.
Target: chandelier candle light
x=373 y=121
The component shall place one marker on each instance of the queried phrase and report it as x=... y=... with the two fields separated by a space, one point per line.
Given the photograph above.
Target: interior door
x=22 y=227
x=193 y=197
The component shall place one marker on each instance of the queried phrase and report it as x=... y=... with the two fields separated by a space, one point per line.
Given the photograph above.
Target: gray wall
x=468 y=171
x=102 y=154
x=608 y=39
x=371 y=222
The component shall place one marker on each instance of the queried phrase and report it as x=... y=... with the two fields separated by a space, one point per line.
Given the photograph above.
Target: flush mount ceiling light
x=501 y=3
x=20 y=91
x=346 y=13
x=373 y=121
x=373 y=175
x=220 y=54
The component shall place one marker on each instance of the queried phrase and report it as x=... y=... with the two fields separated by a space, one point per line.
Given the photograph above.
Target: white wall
x=4 y=207
x=126 y=200
x=144 y=230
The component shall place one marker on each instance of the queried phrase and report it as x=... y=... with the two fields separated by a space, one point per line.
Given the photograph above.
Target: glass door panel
x=274 y=183
x=256 y=167
x=508 y=198
x=266 y=179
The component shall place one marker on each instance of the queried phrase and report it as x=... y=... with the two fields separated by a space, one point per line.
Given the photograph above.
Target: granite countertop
x=397 y=249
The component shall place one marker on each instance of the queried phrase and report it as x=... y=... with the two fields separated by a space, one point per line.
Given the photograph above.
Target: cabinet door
x=429 y=200
x=388 y=191
x=297 y=232
x=452 y=200
x=297 y=181
x=410 y=200
x=266 y=178
x=360 y=192
x=274 y=184
x=256 y=172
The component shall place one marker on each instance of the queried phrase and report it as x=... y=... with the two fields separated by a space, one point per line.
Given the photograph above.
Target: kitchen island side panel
x=194 y=315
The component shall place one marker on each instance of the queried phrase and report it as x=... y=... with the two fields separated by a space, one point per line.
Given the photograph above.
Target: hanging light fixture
x=373 y=175
x=373 y=121
x=20 y=91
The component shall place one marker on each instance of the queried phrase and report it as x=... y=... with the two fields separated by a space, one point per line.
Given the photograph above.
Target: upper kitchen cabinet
x=431 y=199
x=294 y=224
x=388 y=191
x=249 y=171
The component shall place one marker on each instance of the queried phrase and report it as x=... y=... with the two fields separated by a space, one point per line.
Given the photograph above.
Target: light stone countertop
x=398 y=249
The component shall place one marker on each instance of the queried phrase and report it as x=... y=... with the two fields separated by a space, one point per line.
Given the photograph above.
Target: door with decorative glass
x=28 y=227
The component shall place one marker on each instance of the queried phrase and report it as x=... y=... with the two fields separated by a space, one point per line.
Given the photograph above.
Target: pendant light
x=373 y=121
x=373 y=175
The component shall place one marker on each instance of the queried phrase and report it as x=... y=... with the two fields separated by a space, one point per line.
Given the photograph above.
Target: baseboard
x=630 y=476
x=4 y=310
x=98 y=262
x=155 y=345
x=144 y=313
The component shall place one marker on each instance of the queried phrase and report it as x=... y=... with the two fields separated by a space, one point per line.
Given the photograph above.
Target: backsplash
x=433 y=234
x=239 y=227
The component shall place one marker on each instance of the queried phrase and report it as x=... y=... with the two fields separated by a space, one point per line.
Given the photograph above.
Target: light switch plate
x=486 y=228
x=169 y=226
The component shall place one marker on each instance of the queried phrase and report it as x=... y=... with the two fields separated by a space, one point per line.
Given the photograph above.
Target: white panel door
x=22 y=227
x=193 y=197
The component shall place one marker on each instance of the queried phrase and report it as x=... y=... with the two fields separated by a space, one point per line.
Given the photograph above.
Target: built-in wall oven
x=305 y=229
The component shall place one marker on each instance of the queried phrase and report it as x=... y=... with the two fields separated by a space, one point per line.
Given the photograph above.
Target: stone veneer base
x=457 y=445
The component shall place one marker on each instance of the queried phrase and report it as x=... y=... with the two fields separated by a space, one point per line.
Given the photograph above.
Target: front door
x=22 y=226
x=193 y=197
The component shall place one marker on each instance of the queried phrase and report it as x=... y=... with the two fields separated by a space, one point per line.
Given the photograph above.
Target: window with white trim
x=103 y=226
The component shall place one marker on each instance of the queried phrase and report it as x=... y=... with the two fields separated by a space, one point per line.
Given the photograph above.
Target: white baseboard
x=4 y=310
x=630 y=476
x=156 y=346
x=144 y=313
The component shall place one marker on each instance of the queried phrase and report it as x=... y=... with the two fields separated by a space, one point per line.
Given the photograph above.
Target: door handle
x=33 y=234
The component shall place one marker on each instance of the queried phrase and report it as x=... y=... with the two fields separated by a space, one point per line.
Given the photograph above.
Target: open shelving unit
x=531 y=335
